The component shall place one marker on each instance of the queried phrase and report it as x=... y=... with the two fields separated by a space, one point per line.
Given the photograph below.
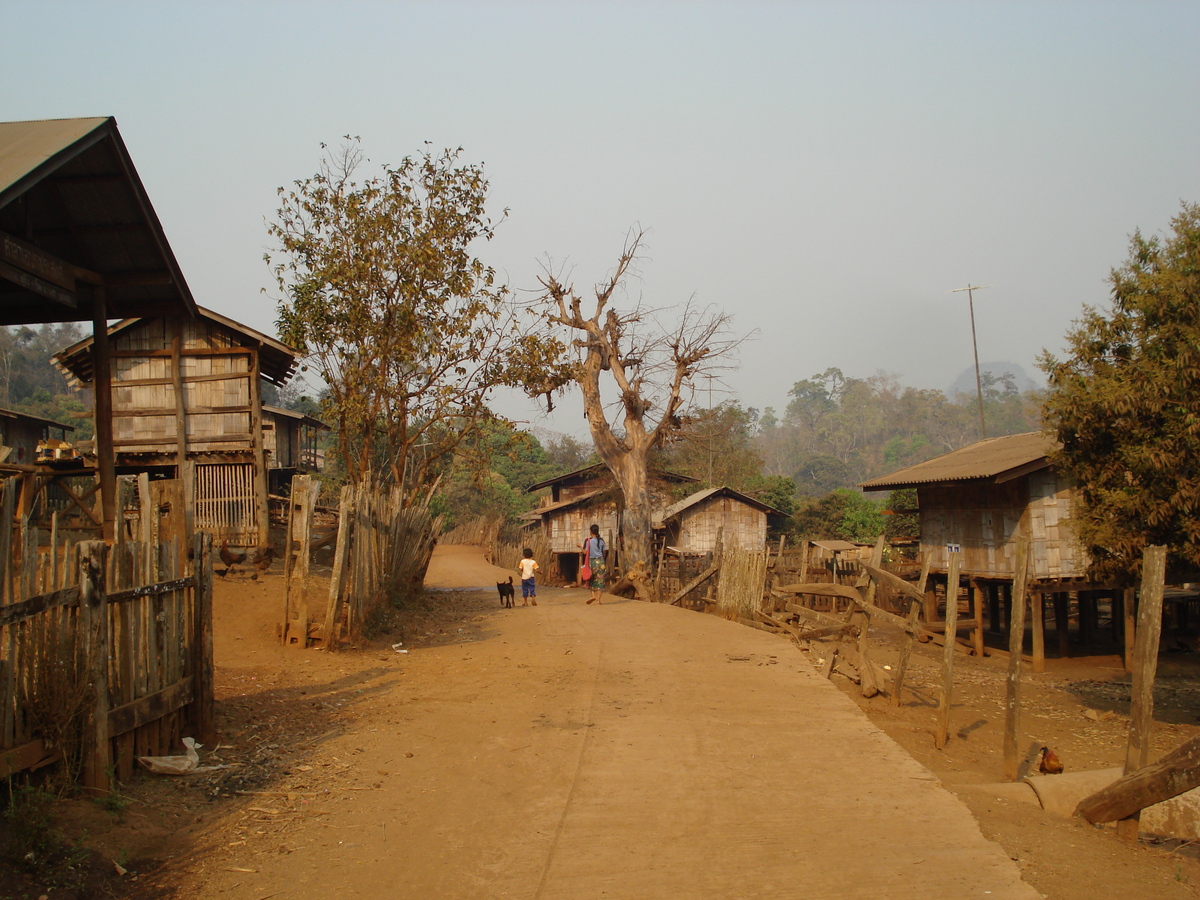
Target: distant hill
x=965 y=382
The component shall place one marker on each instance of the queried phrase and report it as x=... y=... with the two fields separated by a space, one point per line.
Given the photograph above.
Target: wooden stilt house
x=983 y=498
x=186 y=402
x=290 y=442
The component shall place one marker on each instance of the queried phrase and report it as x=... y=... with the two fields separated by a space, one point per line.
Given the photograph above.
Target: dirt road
x=627 y=750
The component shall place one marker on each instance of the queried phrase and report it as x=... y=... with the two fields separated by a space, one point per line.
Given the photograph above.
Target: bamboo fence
x=741 y=582
x=105 y=653
x=383 y=547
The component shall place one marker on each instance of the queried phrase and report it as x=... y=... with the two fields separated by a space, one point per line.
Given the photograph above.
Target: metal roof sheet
x=69 y=191
x=992 y=458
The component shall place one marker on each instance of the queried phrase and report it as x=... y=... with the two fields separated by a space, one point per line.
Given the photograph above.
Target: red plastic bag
x=586 y=572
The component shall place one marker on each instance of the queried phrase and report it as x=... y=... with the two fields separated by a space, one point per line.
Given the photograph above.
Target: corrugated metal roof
x=992 y=459
x=68 y=188
x=293 y=414
x=277 y=361
x=601 y=470
x=25 y=146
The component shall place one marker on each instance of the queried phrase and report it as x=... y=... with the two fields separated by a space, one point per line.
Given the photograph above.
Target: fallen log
x=1174 y=774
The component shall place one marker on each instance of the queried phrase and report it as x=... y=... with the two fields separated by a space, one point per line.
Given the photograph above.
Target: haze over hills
x=965 y=382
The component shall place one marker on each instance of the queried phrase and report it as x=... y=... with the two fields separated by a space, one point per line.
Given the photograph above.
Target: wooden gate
x=226 y=503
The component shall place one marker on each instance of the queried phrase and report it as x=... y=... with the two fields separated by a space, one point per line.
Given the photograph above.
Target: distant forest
x=835 y=432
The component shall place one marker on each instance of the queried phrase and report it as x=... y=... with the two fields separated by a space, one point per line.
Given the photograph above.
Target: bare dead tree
x=651 y=367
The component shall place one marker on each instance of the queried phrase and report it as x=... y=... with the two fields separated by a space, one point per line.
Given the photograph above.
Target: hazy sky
x=826 y=172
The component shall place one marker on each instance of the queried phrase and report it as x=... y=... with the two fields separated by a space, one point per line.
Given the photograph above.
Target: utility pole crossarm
x=971 y=289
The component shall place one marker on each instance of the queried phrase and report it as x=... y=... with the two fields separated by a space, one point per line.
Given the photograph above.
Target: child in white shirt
x=528 y=566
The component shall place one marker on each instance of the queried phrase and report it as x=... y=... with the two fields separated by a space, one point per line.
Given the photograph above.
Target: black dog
x=507 y=593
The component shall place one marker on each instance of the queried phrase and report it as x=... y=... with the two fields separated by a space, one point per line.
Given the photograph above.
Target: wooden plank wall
x=737 y=524
x=569 y=527
x=217 y=389
x=987 y=520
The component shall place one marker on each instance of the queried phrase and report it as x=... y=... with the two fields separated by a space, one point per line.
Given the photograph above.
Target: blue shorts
x=528 y=589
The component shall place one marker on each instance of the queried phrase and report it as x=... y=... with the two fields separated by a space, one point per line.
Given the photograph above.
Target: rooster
x=1049 y=763
x=262 y=561
x=230 y=558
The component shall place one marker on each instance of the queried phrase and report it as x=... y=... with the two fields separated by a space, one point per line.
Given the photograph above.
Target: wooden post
x=102 y=387
x=1037 y=602
x=7 y=507
x=1145 y=655
x=1016 y=645
x=304 y=496
x=943 y=721
x=260 y=453
x=977 y=607
x=914 y=612
x=1129 y=612
x=336 y=611
x=1062 y=623
x=202 y=639
x=93 y=628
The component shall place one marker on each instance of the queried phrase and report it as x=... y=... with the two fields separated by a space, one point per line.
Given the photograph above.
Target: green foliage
x=716 y=446
x=30 y=383
x=1125 y=406
x=901 y=522
x=841 y=514
x=407 y=328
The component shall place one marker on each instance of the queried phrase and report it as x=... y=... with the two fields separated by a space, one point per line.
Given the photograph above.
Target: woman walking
x=594 y=552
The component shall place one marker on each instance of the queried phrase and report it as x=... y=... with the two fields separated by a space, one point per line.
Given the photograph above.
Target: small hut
x=290 y=443
x=187 y=402
x=21 y=434
x=696 y=523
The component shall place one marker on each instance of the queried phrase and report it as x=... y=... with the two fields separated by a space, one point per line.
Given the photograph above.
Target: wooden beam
x=151 y=707
x=102 y=383
x=695 y=583
x=943 y=719
x=30 y=756
x=38 y=286
x=1016 y=642
x=1174 y=774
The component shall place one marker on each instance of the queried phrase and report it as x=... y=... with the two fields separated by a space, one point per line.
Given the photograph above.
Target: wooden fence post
x=93 y=628
x=1016 y=645
x=337 y=581
x=204 y=706
x=943 y=720
x=916 y=604
x=1145 y=666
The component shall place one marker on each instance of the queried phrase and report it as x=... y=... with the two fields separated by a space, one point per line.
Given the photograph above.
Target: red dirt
x=331 y=754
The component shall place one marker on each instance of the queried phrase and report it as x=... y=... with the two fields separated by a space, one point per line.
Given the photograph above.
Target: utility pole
x=971 y=289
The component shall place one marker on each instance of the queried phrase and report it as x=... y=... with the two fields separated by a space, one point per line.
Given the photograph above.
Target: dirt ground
x=310 y=734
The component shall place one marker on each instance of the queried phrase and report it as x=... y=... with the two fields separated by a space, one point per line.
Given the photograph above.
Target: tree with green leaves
x=1124 y=405
x=407 y=328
